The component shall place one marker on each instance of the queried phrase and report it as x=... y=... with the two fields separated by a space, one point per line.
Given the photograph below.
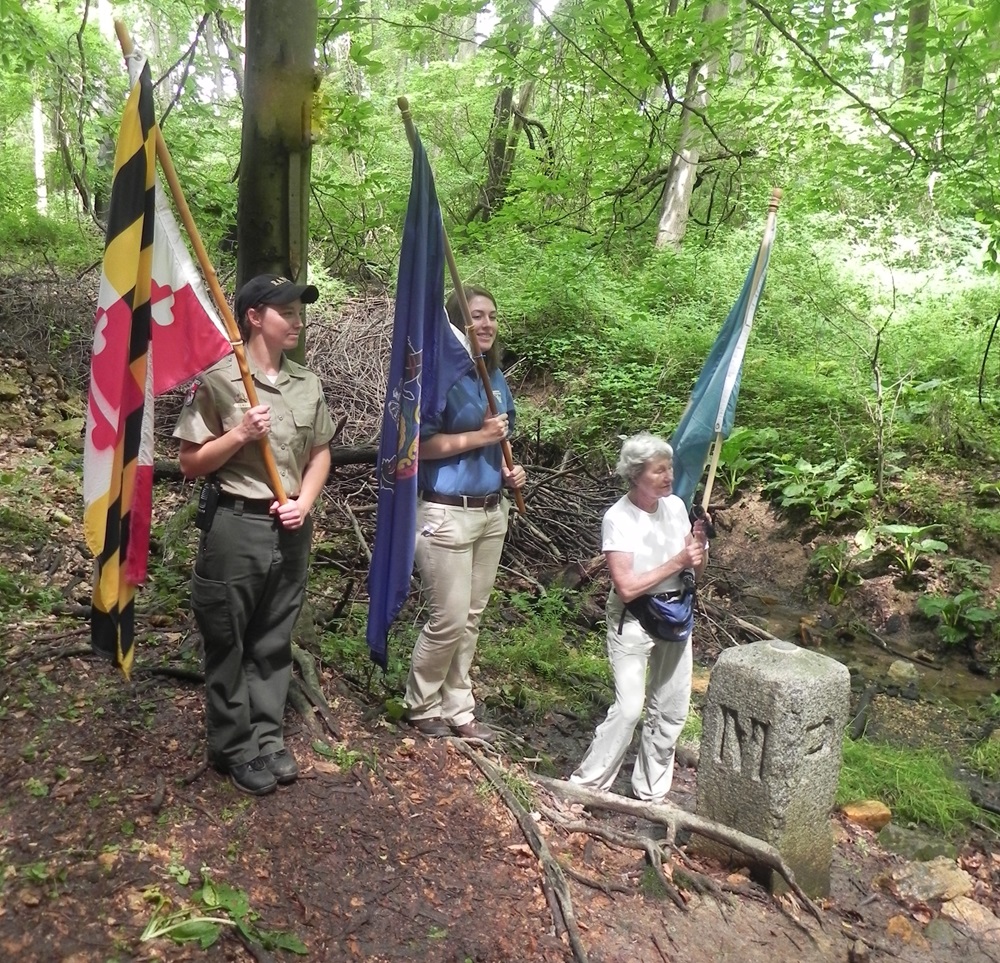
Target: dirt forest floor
x=406 y=854
x=389 y=847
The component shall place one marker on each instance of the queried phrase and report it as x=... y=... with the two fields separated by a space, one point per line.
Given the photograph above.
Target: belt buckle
x=491 y=501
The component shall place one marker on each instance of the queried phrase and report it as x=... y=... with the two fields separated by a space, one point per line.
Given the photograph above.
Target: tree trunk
x=504 y=134
x=467 y=46
x=683 y=166
x=212 y=52
x=684 y=162
x=233 y=58
x=101 y=11
x=824 y=44
x=738 y=39
x=38 y=130
x=915 y=52
x=273 y=216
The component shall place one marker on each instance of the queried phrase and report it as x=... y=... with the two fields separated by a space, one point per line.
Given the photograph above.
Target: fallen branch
x=717 y=610
x=674 y=819
x=860 y=721
x=553 y=870
x=360 y=534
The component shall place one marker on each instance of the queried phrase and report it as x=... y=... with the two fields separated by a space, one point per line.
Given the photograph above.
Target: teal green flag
x=712 y=409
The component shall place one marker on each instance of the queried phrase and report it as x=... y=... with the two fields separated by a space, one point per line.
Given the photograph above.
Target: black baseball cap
x=272 y=289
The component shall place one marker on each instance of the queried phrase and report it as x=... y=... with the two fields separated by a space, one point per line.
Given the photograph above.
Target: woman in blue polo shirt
x=461 y=525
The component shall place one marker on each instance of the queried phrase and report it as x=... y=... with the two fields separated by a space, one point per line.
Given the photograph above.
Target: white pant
x=457 y=553
x=667 y=695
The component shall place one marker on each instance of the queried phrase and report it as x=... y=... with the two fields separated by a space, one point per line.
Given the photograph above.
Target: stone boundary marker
x=771 y=747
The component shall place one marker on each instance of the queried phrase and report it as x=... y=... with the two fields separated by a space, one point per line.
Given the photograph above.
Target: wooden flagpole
x=484 y=375
x=211 y=278
x=772 y=215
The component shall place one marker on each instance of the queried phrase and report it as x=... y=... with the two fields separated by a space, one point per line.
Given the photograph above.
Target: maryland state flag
x=151 y=303
x=710 y=413
x=428 y=357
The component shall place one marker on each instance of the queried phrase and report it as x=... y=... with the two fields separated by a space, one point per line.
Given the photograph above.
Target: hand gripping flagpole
x=484 y=375
x=751 y=307
x=211 y=278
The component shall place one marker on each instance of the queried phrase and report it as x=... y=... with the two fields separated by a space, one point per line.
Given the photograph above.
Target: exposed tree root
x=654 y=855
x=32 y=653
x=607 y=888
x=554 y=879
x=173 y=672
x=860 y=721
x=254 y=948
x=674 y=818
x=194 y=774
x=310 y=688
x=159 y=795
x=300 y=702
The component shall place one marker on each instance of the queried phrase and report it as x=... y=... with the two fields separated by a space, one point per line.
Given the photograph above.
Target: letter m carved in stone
x=741 y=745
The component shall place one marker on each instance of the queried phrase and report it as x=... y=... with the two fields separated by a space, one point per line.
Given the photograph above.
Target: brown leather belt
x=463 y=501
x=246 y=506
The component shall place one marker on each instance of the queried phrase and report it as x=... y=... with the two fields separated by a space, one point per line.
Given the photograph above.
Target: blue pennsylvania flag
x=428 y=357
x=712 y=409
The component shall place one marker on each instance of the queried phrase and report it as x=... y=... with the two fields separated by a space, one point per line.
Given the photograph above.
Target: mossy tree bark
x=273 y=220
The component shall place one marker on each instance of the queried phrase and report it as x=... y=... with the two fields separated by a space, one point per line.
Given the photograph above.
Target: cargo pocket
x=210 y=603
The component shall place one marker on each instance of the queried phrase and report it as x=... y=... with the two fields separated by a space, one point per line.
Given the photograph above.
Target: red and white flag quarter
x=155 y=327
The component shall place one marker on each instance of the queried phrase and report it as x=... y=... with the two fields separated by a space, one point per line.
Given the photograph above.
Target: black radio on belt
x=208 y=502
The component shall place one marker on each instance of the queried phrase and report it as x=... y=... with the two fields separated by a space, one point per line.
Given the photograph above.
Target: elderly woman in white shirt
x=649 y=543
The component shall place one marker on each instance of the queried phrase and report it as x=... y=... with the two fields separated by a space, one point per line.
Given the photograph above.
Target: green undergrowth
x=984 y=758
x=622 y=341
x=537 y=659
x=28 y=528
x=23 y=594
x=531 y=657
x=916 y=784
x=173 y=546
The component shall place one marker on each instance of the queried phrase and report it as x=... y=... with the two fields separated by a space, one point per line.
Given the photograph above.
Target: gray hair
x=638 y=451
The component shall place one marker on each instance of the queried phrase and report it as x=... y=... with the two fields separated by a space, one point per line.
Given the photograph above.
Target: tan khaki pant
x=457 y=554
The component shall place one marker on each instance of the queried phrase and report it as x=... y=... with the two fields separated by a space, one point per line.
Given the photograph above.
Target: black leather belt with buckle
x=463 y=501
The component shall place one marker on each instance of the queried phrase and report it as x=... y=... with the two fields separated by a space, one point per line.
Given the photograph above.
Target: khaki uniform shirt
x=300 y=421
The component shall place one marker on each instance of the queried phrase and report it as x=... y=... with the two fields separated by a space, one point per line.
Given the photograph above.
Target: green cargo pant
x=246 y=592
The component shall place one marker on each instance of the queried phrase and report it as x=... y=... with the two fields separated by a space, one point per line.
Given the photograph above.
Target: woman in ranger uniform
x=249 y=577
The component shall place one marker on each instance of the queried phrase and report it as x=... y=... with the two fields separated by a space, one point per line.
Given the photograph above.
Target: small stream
x=947 y=679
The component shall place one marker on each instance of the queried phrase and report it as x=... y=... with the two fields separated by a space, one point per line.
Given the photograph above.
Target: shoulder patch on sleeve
x=191 y=392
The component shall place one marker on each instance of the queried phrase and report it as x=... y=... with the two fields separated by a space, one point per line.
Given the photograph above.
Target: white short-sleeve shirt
x=651 y=537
